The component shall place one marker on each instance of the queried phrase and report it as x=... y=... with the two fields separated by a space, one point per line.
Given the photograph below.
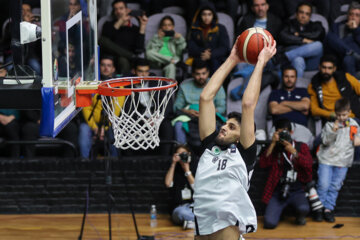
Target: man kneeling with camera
x=290 y=164
x=180 y=180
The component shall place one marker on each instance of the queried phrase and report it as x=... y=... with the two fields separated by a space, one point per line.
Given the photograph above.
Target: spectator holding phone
x=166 y=47
x=121 y=38
x=180 y=180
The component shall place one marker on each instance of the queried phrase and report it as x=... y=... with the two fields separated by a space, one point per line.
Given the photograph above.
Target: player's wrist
x=187 y=173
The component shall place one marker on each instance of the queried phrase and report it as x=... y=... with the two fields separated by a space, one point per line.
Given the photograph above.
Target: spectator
x=290 y=164
x=289 y=102
x=166 y=47
x=344 y=40
x=302 y=39
x=94 y=126
x=30 y=120
x=260 y=17
x=180 y=181
x=9 y=125
x=187 y=101
x=336 y=155
x=122 y=38
x=208 y=40
x=329 y=85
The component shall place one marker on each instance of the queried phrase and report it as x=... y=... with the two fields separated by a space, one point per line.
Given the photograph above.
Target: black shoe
x=329 y=216
x=318 y=216
x=300 y=221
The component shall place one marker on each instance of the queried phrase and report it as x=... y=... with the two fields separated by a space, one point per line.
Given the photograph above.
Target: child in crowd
x=336 y=155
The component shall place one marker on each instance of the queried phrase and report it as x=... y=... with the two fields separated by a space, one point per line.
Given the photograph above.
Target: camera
x=314 y=200
x=185 y=157
x=136 y=13
x=170 y=33
x=284 y=135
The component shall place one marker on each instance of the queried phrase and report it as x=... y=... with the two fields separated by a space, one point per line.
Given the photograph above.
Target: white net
x=137 y=125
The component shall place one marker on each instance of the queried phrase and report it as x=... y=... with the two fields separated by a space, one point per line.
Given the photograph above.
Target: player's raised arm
x=207 y=118
x=251 y=95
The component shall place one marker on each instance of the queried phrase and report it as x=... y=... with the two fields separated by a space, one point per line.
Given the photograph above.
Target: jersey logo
x=214 y=160
x=233 y=148
x=216 y=150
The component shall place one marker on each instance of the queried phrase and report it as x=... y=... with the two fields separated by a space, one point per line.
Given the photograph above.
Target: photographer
x=290 y=166
x=180 y=180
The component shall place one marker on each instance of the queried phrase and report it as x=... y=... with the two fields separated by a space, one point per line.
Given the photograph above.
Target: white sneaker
x=189 y=225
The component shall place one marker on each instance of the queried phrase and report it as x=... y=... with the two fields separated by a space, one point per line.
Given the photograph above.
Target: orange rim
x=112 y=87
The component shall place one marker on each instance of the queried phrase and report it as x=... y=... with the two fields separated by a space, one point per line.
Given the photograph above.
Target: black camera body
x=185 y=157
x=284 y=135
x=170 y=33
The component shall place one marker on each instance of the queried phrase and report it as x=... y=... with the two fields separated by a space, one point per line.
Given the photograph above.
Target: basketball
x=251 y=42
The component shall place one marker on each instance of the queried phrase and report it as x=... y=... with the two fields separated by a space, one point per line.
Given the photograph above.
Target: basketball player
x=222 y=207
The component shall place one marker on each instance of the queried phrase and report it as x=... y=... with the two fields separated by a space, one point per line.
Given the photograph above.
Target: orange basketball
x=251 y=42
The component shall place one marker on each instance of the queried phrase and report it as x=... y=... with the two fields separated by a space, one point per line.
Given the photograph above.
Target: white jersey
x=220 y=192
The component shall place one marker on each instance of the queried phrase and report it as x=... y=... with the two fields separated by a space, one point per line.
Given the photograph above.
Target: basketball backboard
x=69 y=57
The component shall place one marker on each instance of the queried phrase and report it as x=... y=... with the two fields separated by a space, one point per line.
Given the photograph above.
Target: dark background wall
x=58 y=185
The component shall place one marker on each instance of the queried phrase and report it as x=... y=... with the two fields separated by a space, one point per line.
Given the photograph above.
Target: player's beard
x=222 y=143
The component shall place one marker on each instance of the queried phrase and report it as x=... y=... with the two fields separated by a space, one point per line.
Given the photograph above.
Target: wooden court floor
x=67 y=226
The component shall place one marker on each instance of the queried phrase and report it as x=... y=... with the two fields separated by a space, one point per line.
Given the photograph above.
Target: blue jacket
x=343 y=40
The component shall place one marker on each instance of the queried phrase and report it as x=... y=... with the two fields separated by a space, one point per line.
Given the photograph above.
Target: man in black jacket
x=122 y=38
x=302 y=39
x=260 y=17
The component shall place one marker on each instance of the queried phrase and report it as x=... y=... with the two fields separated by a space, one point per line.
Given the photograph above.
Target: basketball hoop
x=146 y=98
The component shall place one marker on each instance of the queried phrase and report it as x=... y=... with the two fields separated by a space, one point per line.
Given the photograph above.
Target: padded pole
x=15 y=16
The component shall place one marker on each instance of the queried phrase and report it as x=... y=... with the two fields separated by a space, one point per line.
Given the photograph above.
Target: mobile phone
x=170 y=33
x=338 y=225
x=136 y=13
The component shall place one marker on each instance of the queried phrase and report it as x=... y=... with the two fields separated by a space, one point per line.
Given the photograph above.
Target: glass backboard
x=69 y=58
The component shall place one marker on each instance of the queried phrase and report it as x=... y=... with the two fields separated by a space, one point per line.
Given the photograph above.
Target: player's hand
x=267 y=52
x=234 y=53
x=5 y=120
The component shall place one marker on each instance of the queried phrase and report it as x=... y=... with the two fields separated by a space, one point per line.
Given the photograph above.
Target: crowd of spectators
x=328 y=50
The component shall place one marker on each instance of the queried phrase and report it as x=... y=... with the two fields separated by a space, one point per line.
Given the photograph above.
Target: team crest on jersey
x=214 y=160
x=233 y=148
x=216 y=150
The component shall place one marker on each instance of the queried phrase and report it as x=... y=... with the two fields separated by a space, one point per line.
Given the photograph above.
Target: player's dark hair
x=199 y=64
x=283 y=123
x=328 y=58
x=237 y=117
x=342 y=104
x=304 y=4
